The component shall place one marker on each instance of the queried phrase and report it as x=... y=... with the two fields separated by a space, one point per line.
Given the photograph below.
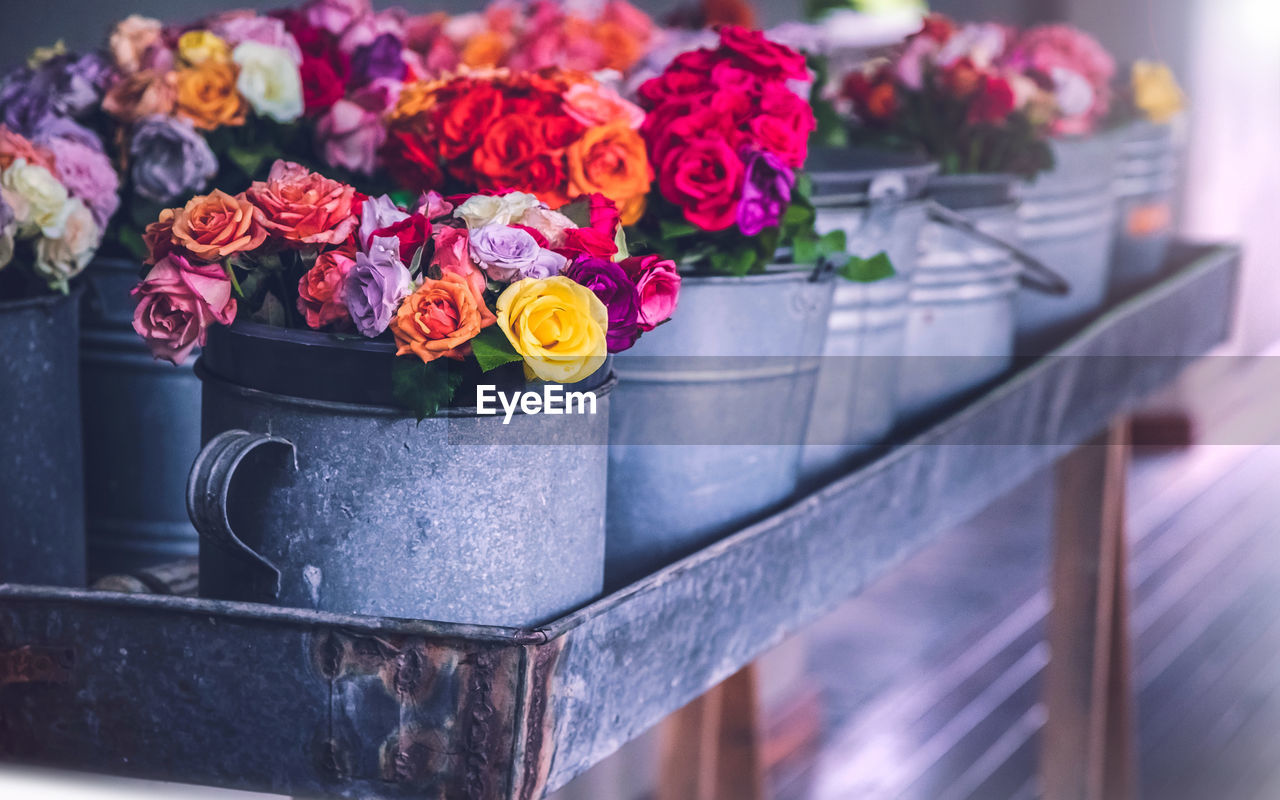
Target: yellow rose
x=557 y=325
x=197 y=47
x=1156 y=91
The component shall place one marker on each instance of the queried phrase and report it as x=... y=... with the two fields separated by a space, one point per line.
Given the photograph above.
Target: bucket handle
x=1035 y=275
x=207 y=488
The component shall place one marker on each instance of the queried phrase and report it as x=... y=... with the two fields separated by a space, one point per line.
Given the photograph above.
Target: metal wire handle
x=1035 y=273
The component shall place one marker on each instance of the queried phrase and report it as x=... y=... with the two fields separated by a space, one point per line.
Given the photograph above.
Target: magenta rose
x=610 y=282
x=766 y=193
x=757 y=53
x=704 y=178
x=658 y=285
x=177 y=302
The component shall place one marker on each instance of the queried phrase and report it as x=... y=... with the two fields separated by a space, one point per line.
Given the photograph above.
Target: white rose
x=269 y=80
x=60 y=259
x=551 y=224
x=1073 y=92
x=481 y=209
x=6 y=248
x=39 y=200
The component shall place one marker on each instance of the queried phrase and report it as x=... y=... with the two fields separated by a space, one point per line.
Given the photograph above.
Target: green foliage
x=492 y=349
x=867 y=270
x=422 y=388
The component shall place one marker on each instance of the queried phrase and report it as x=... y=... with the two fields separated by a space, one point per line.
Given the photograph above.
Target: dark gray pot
x=1146 y=180
x=142 y=430
x=358 y=508
x=42 y=470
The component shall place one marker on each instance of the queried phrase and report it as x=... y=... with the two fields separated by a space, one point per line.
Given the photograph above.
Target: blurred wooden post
x=710 y=749
x=1089 y=748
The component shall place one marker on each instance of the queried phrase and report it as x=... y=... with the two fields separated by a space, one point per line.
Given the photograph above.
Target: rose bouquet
x=531 y=36
x=478 y=281
x=552 y=133
x=951 y=93
x=727 y=133
x=1073 y=67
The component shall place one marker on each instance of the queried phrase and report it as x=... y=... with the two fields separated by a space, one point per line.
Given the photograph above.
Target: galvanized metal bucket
x=710 y=415
x=141 y=432
x=41 y=469
x=358 y=508
x=1067 y=220
x=960 y=324
x=1146 y=178
x=876 y=199
x=856 y=401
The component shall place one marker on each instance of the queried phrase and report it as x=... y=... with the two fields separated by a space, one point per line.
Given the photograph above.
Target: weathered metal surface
x=1067 y=220
x=710 y=414
x=308 y=703
x=1146 y=178
x=41 y=466
x=141 y=431
x=961 y=319
x=362 y=509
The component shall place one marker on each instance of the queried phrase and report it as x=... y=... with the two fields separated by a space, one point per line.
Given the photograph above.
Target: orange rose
x=485 y=49
x=621 y=48
x=207 y=95
x=611 y=160
x=303 y=206
x=142 y=94
x=214 y=226
x=514 y=154
x=440 y=319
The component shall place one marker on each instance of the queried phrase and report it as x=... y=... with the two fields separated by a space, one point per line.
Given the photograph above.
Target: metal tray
x=303 y=703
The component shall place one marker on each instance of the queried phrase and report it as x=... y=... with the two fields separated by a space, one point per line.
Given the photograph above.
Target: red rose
x=757 y=53
x=463 y=119
x=994 y=102
x=698 y=62
x=962 y=78
x=412 y=231
x=510 y=143
x=412 y=161
x=672 y=85
x=873 y=94
x=604 y=214
x=728 y=75
x=704 y=178
x=321 y=86
x=938 y=27
x=783 y=125
x=587 y=241
x=674 y=124
x=560 y=130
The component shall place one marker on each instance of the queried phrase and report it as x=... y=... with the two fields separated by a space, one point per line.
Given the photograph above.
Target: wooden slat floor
x=930 y=681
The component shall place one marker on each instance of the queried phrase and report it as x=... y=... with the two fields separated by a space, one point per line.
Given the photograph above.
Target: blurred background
x=926 y=687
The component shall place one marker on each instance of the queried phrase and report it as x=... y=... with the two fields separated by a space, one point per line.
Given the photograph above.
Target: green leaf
x=131 y=240
x=231 y=273
x=868 y=270
x=804 y=249
x=492 y=349
x=676 y=229
x=248 y=160
x=798 y=215
x=831 y=242
x=423 y=388
x=738 y=261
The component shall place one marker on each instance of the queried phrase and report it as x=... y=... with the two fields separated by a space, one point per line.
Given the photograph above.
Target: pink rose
x=595 y=104
x=335 y=15
x=320 y=291
x=177 y=302
x=453 y=255
x=1070 y=59
x=350 y=137
x=658 y=284
x=303 y=207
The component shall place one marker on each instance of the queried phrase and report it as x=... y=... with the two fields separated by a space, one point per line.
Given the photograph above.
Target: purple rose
x=380 y=59
x=65 y=128
x=64 y=85
x=504 y=253
x=609 y=282
x=766 y=192
x=87 y=173
x=170 y=159
x=349 y=135
x=234 y=28
x=378 y=213
x=376 y=285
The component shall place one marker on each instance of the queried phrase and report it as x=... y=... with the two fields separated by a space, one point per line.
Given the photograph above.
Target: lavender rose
x=87 y=173
x=55 y=128
x=170 y=159
x=378 y=213
x=376 y=285
x=63 y=85
x=766 y=192
x=504 y=253
x=380 y=59
x=609 y=282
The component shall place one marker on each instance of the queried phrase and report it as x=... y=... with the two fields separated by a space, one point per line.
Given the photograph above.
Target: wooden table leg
x=1089 y=748
x=710 y=749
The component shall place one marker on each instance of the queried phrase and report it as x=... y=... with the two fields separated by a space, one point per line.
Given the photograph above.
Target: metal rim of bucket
x=605 y=386
x=853 y=180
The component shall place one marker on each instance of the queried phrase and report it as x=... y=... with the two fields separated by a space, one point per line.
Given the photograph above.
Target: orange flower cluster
x=552 y=133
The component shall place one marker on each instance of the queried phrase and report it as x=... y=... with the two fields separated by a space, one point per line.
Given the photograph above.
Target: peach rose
x=14 y=147
x=131 y=39
x=213 y=226
x=303 y=206
x=440 y=319
x=611 y=160
x=141 y=95
x=320 y=291
x=593 y=104
x=158 y=236
x=207 y=95
x=485 y=49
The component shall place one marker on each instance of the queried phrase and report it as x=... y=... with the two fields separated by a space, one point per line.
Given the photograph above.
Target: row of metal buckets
x=322 y=497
